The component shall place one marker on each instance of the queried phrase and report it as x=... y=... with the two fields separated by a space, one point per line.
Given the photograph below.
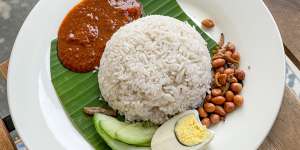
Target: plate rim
x=284 y=68
x=13 y=53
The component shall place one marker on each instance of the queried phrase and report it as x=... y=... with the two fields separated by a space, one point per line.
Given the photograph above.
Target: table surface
x=12 y=16
x=284 y=134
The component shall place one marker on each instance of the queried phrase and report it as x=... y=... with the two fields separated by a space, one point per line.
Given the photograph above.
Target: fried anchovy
x=92 y=110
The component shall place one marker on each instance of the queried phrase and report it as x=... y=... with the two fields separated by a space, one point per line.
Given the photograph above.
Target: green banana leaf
x=77 y=90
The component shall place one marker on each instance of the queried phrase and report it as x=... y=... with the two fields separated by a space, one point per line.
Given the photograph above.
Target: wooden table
x=285 y=134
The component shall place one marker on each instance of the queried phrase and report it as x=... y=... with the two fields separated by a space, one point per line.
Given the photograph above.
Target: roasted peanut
x=229 y=107
x=239 y=74
x=206 y=122
x=202 y=112
x=214 y=118
x=216 y=92
x=229 y=96
x=236 y=56
x=238 y=100
x=236 y=87
x=218 y=63
x=209 y=107
x=220 y=111
x=219 y=100
x=228 y=53
x=208 y=23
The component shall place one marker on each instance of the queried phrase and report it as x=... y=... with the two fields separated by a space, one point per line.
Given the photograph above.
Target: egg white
x=164 y=138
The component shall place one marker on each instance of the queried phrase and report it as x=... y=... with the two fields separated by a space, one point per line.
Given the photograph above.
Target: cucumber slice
x=110 y=124
x=136 y=134
x=114 y=144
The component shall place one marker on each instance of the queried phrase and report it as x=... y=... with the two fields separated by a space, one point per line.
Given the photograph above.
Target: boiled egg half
x=182 y=132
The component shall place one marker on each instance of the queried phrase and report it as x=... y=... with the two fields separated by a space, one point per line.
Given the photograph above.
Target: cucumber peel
x=110 y=125
x=112 y=143
x=136 y=134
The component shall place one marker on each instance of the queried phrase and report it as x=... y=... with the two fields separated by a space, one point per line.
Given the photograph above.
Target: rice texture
x=154 y=68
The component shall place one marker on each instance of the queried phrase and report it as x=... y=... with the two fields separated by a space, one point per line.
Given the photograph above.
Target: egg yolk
x=189 y=131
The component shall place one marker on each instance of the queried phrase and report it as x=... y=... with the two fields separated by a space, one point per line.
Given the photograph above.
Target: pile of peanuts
x=227 y=85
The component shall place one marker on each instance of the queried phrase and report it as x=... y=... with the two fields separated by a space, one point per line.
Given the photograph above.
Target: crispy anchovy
x=92 y=110
x=217 y=56
x=217 y=79
x=231 y=60
x=221 y=41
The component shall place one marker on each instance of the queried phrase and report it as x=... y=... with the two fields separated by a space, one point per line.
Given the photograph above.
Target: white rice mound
x=153 y=68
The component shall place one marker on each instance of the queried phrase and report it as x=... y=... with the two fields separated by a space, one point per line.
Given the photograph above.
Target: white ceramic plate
x=42 y=123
